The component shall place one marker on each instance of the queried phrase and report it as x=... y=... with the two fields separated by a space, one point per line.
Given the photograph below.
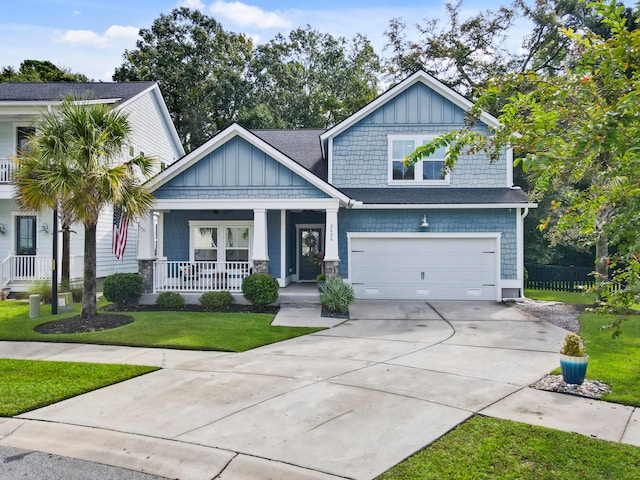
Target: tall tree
x=580 y=128
x=73 y=162
x=311 y=79
x=462 y=53
x=40 y=71
x=200 y=68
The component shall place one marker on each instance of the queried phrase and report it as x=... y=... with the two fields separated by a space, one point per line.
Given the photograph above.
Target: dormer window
x=429 y=171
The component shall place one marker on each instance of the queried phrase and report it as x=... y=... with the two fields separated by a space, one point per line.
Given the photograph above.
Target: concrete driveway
x=348 y=402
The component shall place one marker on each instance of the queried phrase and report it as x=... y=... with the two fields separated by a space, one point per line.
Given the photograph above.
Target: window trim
x=220 y=225
x=418 y=139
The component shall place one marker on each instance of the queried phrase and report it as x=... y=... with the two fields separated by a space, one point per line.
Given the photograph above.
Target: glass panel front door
x=310 y=245
x=25 y=244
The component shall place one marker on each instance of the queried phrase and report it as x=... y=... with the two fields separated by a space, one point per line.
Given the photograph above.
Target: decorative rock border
x=554 y=383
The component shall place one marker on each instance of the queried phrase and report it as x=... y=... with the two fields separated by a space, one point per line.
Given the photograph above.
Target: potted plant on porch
x=573 y=359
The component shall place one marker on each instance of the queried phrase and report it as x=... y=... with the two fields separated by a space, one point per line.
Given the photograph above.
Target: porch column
x=331 y=259
x=260 y=257
x=146 y=251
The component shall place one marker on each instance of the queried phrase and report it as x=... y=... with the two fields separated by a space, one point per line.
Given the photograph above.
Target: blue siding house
x=294 y=203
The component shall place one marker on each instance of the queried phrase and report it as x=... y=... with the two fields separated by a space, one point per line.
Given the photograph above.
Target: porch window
x=430 y=171
x=224 y=242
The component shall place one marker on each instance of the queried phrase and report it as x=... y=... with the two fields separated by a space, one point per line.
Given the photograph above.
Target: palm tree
x=73 y=163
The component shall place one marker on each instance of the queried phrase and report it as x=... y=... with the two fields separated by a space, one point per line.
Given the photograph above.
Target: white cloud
x=248 y=15
x=76 y=12
x=193 y=4
x=112 y=35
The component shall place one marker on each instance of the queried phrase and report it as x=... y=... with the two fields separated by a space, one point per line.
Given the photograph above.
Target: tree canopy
x=211 y=77
x=310 y=79
x=39 y=71
x=200 y=67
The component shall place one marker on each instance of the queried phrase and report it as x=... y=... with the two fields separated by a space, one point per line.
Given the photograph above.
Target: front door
x=309 y=253
x=25 y=244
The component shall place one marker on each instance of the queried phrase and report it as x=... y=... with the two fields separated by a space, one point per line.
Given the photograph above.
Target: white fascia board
x=236 y=130
x=162 y=204
x=419 y=76
x=440 y=206
x=164 y=112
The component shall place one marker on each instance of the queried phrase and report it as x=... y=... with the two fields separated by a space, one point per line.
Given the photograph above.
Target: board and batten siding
x=360 y=153
x=150 y=132
x=238 y=169
x=441 y=221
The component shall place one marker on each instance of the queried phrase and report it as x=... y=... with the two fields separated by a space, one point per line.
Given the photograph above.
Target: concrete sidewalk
x=347 y=402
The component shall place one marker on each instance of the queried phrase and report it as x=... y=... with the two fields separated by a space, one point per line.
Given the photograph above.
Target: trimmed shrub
x=337 y=295
x=170 y=300
x=123 y=289
x=260 y=289
x=216 y=301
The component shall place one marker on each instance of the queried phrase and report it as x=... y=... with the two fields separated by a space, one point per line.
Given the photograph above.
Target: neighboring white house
x=26 y=237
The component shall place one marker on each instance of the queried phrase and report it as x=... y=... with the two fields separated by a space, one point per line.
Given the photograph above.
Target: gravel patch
x=560 y=314
x=589 y=388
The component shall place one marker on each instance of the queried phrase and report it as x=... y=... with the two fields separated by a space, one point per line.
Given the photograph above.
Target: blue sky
x=90 y=36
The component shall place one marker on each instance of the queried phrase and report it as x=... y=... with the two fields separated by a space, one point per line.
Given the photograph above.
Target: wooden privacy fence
x=561 y=279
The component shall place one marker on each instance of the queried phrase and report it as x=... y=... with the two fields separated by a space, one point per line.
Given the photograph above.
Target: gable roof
x=236 y=130
x=419 y=76
x=116 y=92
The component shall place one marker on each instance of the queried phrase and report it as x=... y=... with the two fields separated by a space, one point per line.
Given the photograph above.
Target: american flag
x=120 y=230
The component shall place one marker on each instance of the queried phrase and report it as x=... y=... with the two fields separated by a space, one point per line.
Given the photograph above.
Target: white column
x=331 y=235
x=160 y=234
x=146 y=238
x=260 y=234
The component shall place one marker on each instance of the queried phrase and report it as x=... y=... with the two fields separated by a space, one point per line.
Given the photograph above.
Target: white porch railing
x=25 y=268
x=199 y=276
x=6 y=170
x=5 y=272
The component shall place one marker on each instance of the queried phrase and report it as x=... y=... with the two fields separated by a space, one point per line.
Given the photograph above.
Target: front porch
x=295 y=293
x=199 y=250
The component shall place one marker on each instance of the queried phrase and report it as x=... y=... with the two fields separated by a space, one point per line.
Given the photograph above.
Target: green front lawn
x=235 y=332
x=576 y=298
x=29 y=384
x=489 y=448
x=614 y=361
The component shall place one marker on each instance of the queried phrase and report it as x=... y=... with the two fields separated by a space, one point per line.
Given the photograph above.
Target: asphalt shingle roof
x=436 y=195
x=303 y=146
x=55 y=91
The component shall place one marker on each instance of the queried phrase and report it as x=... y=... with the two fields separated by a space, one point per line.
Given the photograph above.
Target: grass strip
x=30 y=384
x=489 y=448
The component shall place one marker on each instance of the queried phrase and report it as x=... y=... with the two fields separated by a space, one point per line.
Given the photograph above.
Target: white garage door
x=424 y=268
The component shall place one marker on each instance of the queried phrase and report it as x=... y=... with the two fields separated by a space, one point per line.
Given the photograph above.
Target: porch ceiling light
x=424 y=223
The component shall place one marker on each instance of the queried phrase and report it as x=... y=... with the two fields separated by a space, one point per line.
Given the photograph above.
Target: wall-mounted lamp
x=3 y=228
x=45 y=227
x=424 y=223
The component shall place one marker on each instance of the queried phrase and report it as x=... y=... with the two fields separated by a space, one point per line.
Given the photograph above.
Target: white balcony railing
x=6 y=170
x=199 y=276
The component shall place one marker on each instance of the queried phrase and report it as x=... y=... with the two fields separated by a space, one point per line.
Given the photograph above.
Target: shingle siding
x=439 y=221
x=360 y=154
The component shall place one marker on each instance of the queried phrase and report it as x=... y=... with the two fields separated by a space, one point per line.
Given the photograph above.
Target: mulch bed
x=233 y=308
x=77 y=324
x=327 y=314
